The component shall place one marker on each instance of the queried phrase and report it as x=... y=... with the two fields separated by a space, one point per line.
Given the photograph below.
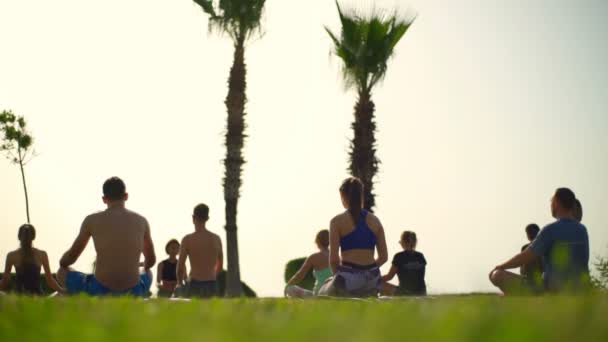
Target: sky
x=487 y=108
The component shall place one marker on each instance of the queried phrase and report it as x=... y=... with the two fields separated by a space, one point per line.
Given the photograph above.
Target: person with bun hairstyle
x=28 y=262
x=354 y=237
x=318 y=263
x=409 y=266
x=564 y=248
x=166 y=275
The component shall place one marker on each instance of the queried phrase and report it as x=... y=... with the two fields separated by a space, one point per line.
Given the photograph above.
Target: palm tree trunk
x=27 y=201
x=363 y=161
x=235 y=137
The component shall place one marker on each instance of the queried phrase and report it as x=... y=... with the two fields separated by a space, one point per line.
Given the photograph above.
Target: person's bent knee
x=496 y=277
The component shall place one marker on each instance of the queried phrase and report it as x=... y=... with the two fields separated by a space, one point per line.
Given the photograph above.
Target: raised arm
x=6 y=278
x=334 y=246
x=181 y=262
x=301 y=273
x=149 y=255
x=50 y=280
x=70 y=257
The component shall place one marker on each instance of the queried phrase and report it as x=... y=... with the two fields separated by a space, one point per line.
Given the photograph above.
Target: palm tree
x=240 y=19
x=365 y=46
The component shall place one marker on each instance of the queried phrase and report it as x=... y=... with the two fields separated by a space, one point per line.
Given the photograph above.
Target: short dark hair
x=201 y=212
x=532 y=231
x=114 y=189
x=172 y=241
x=566 y=198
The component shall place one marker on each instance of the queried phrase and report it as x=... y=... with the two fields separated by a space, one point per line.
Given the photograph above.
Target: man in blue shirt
x=563 y=246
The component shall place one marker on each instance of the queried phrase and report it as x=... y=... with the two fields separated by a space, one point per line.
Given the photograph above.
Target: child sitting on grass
x=166 y=277
x=410 y=267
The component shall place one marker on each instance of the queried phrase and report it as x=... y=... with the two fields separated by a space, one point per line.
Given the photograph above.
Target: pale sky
x=487 y=107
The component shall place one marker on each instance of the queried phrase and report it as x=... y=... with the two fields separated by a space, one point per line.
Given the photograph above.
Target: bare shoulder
x=187 y=238
x=216 y=238
x=338 y=220
x=137 y=216
x=40 y=253
x=317 y=258
x=374 y=222
x=10 y=257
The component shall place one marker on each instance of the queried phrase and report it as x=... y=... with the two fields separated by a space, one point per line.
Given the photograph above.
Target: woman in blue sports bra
x=354 y=237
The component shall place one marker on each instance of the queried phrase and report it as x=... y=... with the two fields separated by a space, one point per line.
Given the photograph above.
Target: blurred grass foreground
x=449 y=318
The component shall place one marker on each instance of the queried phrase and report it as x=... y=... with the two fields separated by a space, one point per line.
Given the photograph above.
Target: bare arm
x=519 y=260
x=181 y=262
x=7 y=273
x=70 y=257
x=220 y=257
x=334 y=247
x=159 y=272
x=301 y=273
x=50 y=280
x=149 y=255
x=381 y=246
x=390 y=275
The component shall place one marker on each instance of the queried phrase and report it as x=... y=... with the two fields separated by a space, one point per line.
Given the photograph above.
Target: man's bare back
x=118 y=235
x=204 y=250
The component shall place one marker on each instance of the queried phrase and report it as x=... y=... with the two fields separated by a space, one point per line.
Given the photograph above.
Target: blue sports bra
x=360 y=238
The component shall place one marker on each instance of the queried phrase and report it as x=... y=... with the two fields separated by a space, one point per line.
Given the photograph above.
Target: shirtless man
x=204 y=250
x=120 y=237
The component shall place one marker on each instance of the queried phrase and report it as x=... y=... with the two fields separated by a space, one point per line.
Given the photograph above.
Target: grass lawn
x=467 y=318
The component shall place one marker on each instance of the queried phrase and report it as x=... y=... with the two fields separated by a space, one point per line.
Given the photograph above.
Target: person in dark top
x=410 y=268
x=28 y=262
x=166 y=277
x=532 y=272
x=564 y=248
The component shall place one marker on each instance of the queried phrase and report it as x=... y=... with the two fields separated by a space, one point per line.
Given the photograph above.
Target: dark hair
x=172 y=241
x=322 y=238
x=532 y=230
x=201 y=212
x=578 y=211
x=352 y=189
x=114 y=189
x=409 y=237
x=566 y=198
x=27 y=234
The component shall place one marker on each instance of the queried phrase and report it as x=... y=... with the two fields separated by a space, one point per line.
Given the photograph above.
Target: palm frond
x=241 y=19
x=366 y=44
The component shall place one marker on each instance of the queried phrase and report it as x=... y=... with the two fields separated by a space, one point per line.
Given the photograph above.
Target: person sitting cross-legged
x=410 y=267
x=28 y=261
x=564 y=248
x=354 y=237
x=204 y=250
x=318 y=263
x=120 y=236
x=532 y=272
x=166 y=275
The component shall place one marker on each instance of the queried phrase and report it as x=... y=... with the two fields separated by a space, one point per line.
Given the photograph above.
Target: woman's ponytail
x=352 y=190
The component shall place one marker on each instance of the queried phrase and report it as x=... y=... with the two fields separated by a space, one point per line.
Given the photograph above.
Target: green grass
x=474 y=318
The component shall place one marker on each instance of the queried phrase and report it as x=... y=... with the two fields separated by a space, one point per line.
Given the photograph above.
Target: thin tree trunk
x=235 y=137
x=27 y=201
x=363 y=161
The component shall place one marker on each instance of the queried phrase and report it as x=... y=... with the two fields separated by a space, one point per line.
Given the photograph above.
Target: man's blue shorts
x=77 y=282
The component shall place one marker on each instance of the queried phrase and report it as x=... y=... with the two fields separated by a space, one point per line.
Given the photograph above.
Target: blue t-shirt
x=564 y=247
